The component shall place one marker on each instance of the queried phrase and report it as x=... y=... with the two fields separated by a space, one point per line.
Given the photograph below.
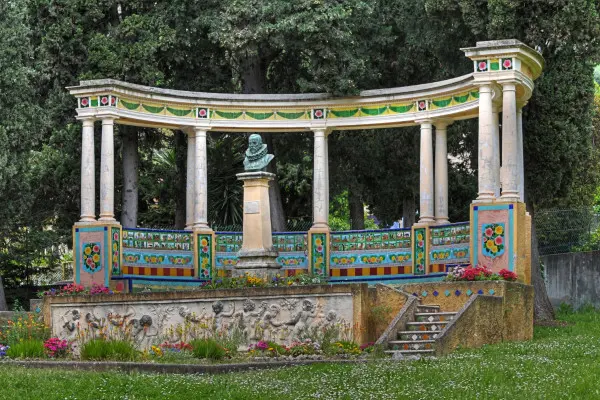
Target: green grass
x=30 y=348
x=115 y=350
x=560 y=363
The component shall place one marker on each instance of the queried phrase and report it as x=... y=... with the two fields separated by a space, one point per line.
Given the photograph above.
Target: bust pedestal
x=257 y=257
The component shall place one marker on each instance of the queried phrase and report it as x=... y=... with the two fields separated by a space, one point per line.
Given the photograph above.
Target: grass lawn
x=560 y=363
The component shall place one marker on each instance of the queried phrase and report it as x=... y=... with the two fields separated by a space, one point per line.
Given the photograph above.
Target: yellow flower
x=420 y=236
x=204 y=242
x=489 y=244
x=499 y=230
x=96 y=258
x=87 y=250
x=495 y=249
x=318 y=242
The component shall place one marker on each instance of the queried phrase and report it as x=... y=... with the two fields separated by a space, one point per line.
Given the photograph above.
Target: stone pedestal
x=257 y=257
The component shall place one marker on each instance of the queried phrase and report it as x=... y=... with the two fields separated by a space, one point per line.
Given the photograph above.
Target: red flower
x=318 y=113
x=507 y=63
x=104 y=100
x=482 y=65
x=96 y=249
x=498 y=240
x=422 y=105
x=84 y=102
x=202 y=112
x=489 y=232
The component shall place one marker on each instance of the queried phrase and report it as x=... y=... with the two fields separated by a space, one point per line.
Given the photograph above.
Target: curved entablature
x=451 y=99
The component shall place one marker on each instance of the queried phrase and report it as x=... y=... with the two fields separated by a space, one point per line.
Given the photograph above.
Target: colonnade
x=500 y=182
x=433 y=205
x=197 y=176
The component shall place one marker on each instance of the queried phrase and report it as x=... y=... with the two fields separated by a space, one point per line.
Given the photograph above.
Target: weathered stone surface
x=516 y=304
x=573 y=278
x=479 y=322
x=281 y=314
x=384 y=304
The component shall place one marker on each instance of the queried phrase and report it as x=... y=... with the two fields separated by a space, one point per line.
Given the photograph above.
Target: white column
x=485 y=164
x=201 y=181
x=107 y=171
x=190 y=177
x=510 y=151
x=88 y=176
x=320 y=181
x=441 y=173
x=496 y=150
x=521 y=162
x=426 y=214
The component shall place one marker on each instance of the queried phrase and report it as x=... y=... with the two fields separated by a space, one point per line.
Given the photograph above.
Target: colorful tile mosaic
x=157 y=240
x=492 y=239
x=373 y=271
x=205 y=253
x=450 y=244
x=420 y=249
x=319 y=254
x=116 y=250
x=292 y=248
x=92 y=259
x=146 y=252
x=374 y=240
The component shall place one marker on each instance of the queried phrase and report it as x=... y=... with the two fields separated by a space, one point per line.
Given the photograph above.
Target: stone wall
x=573 y=278
x=478 y=322
x=516 y=298
x=281 y=314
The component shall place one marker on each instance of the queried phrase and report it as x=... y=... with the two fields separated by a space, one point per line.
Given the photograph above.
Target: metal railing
x=567 y=230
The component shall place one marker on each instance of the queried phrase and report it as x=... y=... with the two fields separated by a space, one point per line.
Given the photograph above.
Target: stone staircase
x=421 y=333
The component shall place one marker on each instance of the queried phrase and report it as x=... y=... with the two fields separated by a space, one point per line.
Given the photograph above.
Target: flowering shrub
x=23 y=327
x=55 y=347
x=507 y=275
x=175 y=347
x=479 y=273
x=253 y=281
x=3 y=350
x=100 y=289
x=156 y=350
x=73 y=289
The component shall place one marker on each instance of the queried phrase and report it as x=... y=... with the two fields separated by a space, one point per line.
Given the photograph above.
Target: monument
x=257 y=257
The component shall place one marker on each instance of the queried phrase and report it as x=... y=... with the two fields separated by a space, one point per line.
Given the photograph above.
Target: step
x=411 y=352
x=411 y=344
x=437 y=316
x=417 y=335
x=435 y=326
x=428 y=309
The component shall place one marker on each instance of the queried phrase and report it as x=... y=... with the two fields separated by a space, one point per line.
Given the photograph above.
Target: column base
x=442 y=221
x=86 y=219
x=260 y=263
x=425 y=221
x=107 y=219
x=510 y=197
x=320 y=227
x=200 y=228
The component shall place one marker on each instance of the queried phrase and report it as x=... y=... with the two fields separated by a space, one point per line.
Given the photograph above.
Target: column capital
x=108 y=120
x=322 y=131
x=86 y=120
x=485 y=86
x=508 y=85
x=424 y=121
x=442 y=124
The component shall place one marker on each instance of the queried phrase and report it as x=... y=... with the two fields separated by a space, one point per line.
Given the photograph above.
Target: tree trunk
x=253 y=75
x=357 y=211
x=408 y=211
x=543 y=310
x=3 y=306
x=180 y=180
x=131 y=163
